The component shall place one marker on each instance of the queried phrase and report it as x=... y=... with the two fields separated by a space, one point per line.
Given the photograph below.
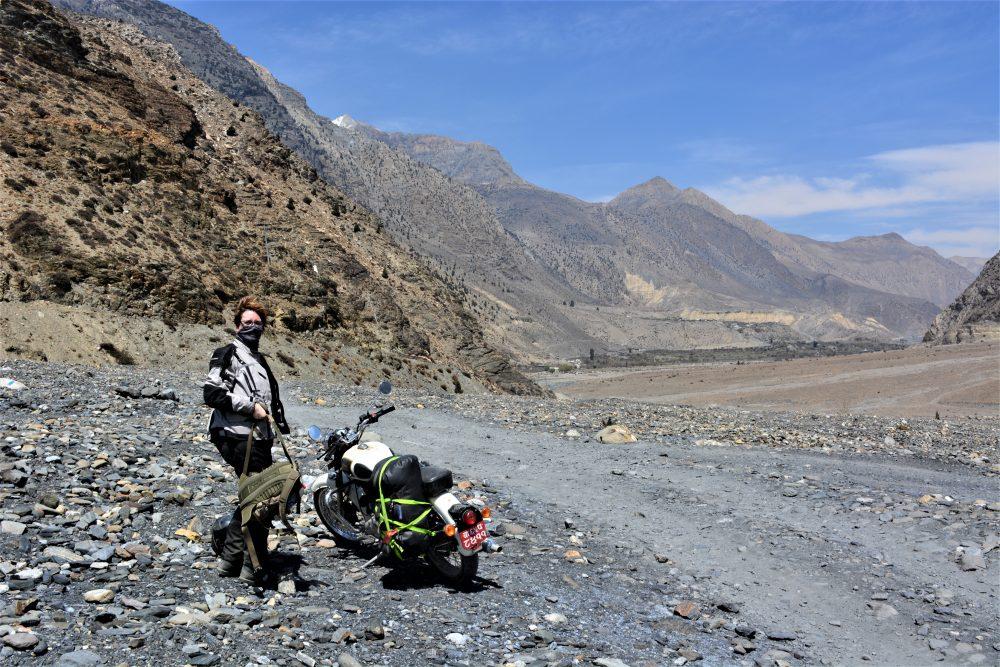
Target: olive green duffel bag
x=264 y=494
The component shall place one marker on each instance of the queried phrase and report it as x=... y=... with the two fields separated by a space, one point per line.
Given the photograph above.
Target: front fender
x=316 y=483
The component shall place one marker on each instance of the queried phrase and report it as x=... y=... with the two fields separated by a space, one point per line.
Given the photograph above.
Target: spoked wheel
x=456 y=569
x=337 y=516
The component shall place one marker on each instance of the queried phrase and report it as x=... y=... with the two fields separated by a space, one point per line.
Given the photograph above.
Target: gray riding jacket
x=237 y=379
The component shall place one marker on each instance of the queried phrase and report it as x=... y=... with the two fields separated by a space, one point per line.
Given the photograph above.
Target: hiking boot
x=247 y=573
x=229 y=568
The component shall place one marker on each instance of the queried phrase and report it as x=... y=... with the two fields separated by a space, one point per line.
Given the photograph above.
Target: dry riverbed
x=722 y=536
x=920 y=381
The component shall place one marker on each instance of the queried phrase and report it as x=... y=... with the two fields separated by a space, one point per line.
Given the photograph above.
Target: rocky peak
x=471 y=162
x=345 y=122
x=656 y=190
x=975 y=314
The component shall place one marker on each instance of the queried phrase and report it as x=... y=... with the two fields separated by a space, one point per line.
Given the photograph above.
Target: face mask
x=250 y=336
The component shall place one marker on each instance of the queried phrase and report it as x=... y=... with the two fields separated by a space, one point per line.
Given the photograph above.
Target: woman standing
x=243 y=391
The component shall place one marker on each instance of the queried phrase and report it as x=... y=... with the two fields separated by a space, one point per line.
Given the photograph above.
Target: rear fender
x=441 y=505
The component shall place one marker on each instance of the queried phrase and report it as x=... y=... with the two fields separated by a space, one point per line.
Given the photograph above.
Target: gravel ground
x=721 y=536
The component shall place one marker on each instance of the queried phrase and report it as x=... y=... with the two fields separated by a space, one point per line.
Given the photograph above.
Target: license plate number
x=473 y=537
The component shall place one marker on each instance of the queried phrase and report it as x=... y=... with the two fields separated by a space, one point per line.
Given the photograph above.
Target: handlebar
x=335 y=443
x=374 y=415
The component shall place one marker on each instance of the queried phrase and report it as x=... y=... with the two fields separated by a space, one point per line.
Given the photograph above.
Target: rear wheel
x=456 y=569
x=338 y=517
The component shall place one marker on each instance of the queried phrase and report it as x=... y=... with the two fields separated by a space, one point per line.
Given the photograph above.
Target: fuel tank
x=359 y=461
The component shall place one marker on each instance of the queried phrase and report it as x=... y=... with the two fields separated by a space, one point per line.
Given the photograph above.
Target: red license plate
x=473 y=537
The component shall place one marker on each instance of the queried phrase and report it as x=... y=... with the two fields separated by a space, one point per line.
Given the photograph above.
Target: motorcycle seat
x=436 y=480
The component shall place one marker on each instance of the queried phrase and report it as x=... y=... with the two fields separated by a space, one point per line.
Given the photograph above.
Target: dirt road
x=835 y=551
x=952 y=380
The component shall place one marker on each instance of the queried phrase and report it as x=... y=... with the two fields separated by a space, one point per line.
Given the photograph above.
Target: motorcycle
x=347 y=500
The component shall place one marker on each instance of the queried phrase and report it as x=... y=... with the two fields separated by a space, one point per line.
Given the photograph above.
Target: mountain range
x=549 y=275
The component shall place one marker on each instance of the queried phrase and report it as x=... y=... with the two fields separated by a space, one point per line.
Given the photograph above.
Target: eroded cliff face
x=975 y=314
x=132 y=187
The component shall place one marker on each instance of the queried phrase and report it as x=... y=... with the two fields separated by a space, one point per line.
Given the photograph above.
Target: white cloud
x=966 y=242
x=952 y=170
x=949 y=172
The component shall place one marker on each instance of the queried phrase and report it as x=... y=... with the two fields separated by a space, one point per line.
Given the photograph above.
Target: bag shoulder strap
x=281 y=441
x=246 y=456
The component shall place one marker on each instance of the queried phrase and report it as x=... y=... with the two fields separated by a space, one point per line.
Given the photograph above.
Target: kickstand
x=372 y=561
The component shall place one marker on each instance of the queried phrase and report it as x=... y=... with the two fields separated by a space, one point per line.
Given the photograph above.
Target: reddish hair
x=250 y=303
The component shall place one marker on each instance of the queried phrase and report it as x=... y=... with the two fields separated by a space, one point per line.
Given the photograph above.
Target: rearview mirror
x=315 y=433
x=385 y=387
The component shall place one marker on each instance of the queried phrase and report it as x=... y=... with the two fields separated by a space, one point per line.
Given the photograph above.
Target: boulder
x=616 y=434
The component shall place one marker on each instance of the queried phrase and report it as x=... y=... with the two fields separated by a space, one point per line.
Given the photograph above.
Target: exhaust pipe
x=490 y=546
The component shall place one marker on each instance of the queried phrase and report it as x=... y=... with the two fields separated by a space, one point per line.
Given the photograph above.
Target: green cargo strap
x=390 y=532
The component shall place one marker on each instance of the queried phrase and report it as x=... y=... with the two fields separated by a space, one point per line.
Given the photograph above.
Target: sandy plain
x=950 y=380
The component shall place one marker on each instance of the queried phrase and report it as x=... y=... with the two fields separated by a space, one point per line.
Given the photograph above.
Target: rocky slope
x=509 y=291
x=131 y=187
x=975 y=314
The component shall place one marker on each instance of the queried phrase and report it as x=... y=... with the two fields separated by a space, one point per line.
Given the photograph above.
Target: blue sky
x=826 y=119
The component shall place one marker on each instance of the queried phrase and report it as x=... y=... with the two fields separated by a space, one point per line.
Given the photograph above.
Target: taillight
x=470 y=517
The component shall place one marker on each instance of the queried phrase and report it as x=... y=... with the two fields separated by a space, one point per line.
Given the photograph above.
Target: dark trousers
x=233 y=451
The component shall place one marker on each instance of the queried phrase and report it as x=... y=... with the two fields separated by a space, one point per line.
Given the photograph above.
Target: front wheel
x=456 y=569
x=336 y=517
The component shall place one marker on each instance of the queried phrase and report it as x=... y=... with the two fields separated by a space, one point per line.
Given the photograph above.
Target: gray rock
x=972 y=559
x=191 y=649
x=882 y=610
x=342 y=636
x=99 y=595
x=79 y=658
x=168 y=394
x=374 y=631
x=781 y=635
x=12 y=527
x=348 y=660
x=21 y=641
x=610 y=662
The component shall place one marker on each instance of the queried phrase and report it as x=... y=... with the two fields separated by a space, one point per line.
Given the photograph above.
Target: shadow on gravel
x=419 y=577
x=477 y=585
x=286 y=566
